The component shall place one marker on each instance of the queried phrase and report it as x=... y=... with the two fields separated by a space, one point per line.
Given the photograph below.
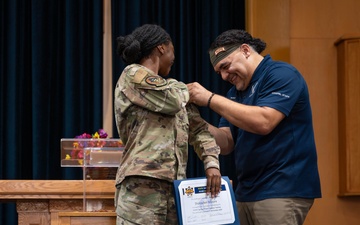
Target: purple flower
x=84 y=135
x=102 y=133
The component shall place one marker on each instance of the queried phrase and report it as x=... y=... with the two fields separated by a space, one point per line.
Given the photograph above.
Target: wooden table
x=60 y=202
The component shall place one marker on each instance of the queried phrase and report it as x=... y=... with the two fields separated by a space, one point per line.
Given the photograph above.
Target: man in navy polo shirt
x=266 y=120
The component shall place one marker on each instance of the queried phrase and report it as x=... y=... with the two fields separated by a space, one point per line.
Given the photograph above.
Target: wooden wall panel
x=323 y=18
x=269 y=20
x=313 y=27
x=316 y=62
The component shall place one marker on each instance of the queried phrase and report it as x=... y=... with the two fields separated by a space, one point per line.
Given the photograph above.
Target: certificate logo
x=189 y=191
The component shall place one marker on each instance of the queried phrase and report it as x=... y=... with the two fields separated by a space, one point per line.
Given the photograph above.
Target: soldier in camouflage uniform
x=156 y=124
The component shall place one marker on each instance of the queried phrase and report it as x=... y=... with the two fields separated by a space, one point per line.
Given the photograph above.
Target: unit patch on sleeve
x=155 y=81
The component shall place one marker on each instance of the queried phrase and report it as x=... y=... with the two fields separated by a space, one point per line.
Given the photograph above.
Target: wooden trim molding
x=56 y=189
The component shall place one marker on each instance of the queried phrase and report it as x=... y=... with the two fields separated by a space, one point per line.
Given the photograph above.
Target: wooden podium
x=61 y=202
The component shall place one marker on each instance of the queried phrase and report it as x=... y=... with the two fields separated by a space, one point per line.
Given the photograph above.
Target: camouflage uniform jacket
x=156 y=124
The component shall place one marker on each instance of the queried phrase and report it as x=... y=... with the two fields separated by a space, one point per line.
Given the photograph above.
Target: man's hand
x=198 y=94
x=213 y=184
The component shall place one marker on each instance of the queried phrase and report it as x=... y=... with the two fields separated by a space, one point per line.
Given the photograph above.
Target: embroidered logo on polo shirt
x=253 y=89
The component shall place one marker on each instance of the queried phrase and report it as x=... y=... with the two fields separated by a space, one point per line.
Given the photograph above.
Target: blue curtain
x=51 y=73
x=51 y=85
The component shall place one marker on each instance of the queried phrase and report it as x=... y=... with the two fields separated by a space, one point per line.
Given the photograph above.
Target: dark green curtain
x=51 y=85
x=193 y=25
x=51 y=73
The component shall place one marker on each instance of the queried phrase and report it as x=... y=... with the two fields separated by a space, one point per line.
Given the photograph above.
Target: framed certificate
x=194 y=207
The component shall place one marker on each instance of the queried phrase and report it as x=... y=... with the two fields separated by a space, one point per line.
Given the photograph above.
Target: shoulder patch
x=139 y=76
x=155 y=81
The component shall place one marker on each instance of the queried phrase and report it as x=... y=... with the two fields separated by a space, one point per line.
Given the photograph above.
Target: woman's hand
x=213 y=184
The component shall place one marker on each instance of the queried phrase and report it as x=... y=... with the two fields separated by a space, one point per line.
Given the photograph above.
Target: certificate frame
x=193 y=207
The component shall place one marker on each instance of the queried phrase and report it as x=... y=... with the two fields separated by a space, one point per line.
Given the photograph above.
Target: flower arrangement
x=96 y=140
x=98 y=134
x=96 y=153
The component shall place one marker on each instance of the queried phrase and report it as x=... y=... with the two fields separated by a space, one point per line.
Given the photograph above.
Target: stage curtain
x=51 y=85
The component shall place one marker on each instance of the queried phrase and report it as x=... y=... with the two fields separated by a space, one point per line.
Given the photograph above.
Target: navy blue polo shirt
x=284 y=162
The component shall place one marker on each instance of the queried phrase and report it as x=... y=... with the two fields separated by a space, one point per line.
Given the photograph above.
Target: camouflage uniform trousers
x=145 y=200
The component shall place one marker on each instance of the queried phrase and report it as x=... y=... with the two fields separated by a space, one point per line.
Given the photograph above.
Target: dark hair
x=238 y=37
x=140 y=43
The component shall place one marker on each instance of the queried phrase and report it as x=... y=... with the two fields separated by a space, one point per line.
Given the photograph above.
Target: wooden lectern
x=61 y=202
